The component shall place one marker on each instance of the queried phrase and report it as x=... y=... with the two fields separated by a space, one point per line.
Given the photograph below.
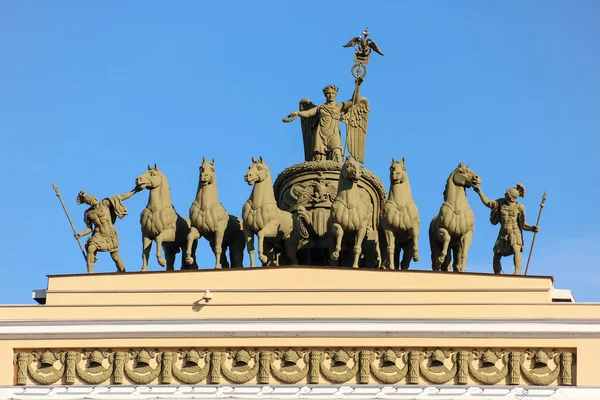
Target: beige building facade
x=300 y=332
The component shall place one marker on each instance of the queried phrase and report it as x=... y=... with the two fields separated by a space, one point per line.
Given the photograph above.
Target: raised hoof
x=189 y=260
x=335 y=255
x=162 y=262
x=416 y=257
x=441 y=259
x=263 y=259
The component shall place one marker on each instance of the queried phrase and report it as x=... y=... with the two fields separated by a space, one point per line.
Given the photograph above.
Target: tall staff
x=69 y=218
x=535 y=233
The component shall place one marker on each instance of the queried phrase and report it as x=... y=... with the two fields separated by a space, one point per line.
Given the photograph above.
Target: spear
x=69 y=218
x=535 y=233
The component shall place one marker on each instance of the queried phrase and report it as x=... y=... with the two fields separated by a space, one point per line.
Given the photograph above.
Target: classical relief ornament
x=485 y=368
x=42 y=366
x=98 y=367
x=244 y=367
x=289 y=371
x=142 y=372
x=541 y=367
x=343 y=365
x=435 y=369
x=392 y=365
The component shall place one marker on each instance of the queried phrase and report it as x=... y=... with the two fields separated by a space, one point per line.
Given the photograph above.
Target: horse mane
x=166 y=182
x=447 y=183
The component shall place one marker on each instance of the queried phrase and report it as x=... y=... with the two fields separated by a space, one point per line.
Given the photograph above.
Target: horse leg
x=434 y=245
x=456 y=262
x=360 y=236
x=337 y=233
x=249 y=236
x=193 y=265
x=466 y=241
x=407 y=254
x=146 y=247
x=118 y=262
x=168 y=235
x=218 y=245
x=269 y=230
x=377 y=250
x=391 y=243
x=170 y=253
x=415 y=232
x=444 y=237
x=191 y=237
x=236 y=250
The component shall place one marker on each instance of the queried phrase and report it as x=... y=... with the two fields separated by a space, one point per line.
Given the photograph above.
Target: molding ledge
x=296 y=392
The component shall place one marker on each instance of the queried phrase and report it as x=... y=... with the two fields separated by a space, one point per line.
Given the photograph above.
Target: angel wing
x=356 y=119
x=309 y=127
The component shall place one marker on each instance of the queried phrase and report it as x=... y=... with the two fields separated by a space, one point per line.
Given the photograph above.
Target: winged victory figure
x=321 y=125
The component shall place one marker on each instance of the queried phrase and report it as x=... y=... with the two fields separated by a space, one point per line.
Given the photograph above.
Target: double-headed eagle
x=363 y=46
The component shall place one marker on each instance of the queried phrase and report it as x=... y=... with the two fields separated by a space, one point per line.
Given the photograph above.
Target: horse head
x=257 y=172
x=207 y=172
x=150 y=179
x=351 y=170
x=397 y=171
x=464 y=177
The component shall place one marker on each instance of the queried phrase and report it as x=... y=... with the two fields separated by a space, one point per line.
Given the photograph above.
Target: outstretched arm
x=486 y=202
x=127 y=195
x=306 y=113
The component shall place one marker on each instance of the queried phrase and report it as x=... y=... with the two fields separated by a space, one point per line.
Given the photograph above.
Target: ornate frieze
x=537 y=367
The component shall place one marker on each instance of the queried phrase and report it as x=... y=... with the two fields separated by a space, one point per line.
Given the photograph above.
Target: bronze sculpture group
x=327 y=210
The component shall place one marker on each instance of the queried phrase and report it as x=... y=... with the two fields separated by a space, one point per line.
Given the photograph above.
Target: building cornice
x=351 y=328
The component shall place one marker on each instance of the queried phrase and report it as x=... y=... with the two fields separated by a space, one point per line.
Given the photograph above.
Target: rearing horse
x=161 y=223
x=210 y=220
x=262 y=217
x=349 y=212
x=400 y=219
x=453 y=227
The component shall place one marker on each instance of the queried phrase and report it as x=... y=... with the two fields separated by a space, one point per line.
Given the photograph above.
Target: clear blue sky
x=91 y=92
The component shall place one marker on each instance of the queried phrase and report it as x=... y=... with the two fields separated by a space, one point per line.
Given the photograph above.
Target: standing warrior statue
x=100 y=220
x=511 y=216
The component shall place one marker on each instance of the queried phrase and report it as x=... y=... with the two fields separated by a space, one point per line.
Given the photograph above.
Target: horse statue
x=400 y=219
x=160 y=223
x=210 y=220
x=350 y=213
x=454 y=225
x=262 y=217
